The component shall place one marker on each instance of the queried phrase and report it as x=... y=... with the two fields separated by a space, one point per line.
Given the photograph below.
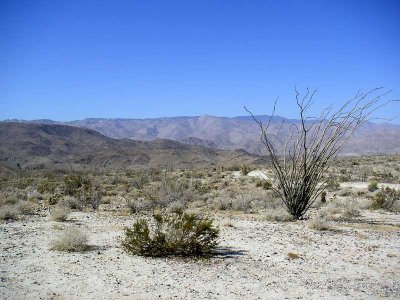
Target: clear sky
x=67 y=60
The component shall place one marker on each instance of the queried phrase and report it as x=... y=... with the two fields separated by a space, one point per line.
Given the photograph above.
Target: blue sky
x=67 y=60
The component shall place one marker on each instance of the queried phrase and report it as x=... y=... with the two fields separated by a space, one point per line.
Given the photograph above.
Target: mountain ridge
x=228 y=133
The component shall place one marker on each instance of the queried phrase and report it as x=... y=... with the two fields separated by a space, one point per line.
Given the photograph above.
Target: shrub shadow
x=227 y=252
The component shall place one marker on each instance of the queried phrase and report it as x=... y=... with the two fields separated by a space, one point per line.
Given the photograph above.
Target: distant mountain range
x=38 y=146
x=230 y=133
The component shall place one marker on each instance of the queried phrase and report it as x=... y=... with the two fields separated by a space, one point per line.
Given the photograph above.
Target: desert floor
x=358 y=260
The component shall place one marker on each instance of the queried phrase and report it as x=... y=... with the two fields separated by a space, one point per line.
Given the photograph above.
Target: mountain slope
x=49 y=146
x=234 y=133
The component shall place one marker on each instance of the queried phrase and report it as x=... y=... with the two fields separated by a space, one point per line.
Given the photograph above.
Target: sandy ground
x=364 y=185
x=359 y=260
x=255 y=173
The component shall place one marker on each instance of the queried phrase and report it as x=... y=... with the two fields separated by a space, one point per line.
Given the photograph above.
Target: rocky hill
x=53 y=146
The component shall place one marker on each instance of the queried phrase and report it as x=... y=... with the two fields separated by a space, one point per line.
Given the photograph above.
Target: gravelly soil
x=357 y=261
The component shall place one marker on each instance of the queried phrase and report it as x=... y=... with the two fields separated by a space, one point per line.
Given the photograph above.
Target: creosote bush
x=177 y=234
x=373 y=186
x=385 y=199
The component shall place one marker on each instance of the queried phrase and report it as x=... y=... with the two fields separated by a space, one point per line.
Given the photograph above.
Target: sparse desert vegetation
x=133 y=216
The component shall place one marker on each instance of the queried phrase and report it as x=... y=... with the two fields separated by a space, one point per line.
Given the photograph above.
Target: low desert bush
x=71 y=240
x=179 y=235
x=332 y=185
x=223 y=203
x=8 y=212
x=278 y=215
x=242 y=202
x=245 y=169
x=373 y=186
x=266 y=185
x=345 y=192
x=72 y=202
x=385 y=199
x=25 y=208
x=34 y=195
x=59 y=213
x=176 y=207
x=342 y=210
x=140 y=205
x=52 y=199
x=320 y=224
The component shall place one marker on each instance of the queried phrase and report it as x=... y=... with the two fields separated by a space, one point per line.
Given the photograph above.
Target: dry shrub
x=168 y=191
x=72 y=202
x=71 y=240
x=176 y=207
x=8 y=212
x=140 y=205
x=320 y=224
x=60 y=213
x=34 y=195
x=345 y=192
x=278 y=215
x=342 y=210
x=224 y=203
x=26 y=208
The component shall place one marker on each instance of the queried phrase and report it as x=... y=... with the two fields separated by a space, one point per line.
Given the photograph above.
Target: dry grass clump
x=320 y=224
x=176 y=207
x=60 y=213
x=278 y=215
x=341 y=210
x=345 y=192
x=25 y=208
x=8 y=212
x=71 y=240
x=34 y=195
x=140 y=205
x=72 y=202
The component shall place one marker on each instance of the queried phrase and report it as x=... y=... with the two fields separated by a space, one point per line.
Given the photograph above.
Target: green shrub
x=76 y=184
x=245 y=169
x=373 y=186
x=385 y=199
x=332 y=185
x=266 y=185
x=47 y=186
x=179 y=235
x=53 y=199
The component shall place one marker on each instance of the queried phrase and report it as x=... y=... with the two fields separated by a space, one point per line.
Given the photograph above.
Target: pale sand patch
x=351 y=263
